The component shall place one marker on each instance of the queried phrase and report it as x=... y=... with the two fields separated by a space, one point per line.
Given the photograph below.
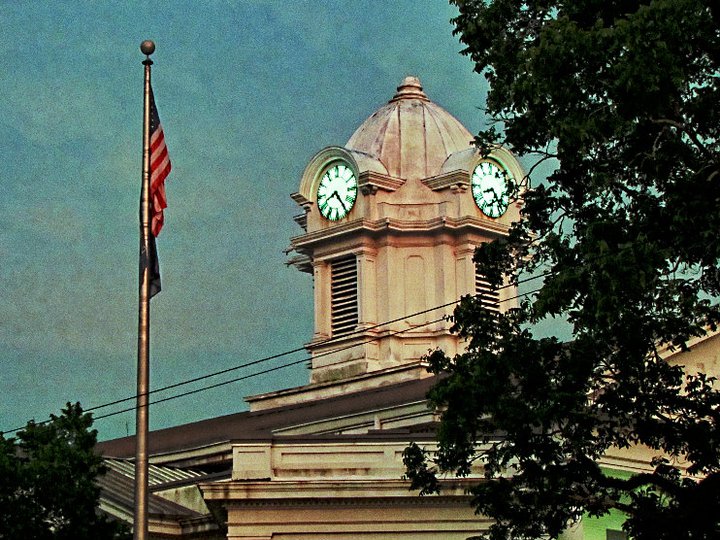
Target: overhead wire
x=263 y=372
x=299 y=349
x=287 y=353
x=304 y=360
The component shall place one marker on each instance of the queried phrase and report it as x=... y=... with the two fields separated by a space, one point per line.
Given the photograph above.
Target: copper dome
x=411 y=135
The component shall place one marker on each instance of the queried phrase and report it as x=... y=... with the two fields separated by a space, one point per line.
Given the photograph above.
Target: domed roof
x=411 y=135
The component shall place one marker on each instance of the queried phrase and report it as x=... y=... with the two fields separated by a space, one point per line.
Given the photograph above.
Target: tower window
x=488 y=295
x=344 y=296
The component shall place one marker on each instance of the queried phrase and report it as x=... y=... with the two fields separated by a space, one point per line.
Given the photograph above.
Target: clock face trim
x=489 y=185
x=337 y=191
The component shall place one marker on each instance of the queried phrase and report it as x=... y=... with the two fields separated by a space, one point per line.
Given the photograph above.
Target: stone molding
x=452 y=179
x=369 y=182
x=438 y=224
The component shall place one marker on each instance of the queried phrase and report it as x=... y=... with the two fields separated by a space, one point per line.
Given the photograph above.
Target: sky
x=247 y=91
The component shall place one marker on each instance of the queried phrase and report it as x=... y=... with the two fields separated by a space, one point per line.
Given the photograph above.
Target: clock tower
x=390 y=222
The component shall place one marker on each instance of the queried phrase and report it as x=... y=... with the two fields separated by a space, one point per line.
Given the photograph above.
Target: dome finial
x=410 y=88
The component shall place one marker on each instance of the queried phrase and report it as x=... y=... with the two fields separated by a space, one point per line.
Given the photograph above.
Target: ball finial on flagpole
x=147 y=47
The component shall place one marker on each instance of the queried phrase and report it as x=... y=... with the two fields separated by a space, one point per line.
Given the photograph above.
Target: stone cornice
x=300 y=200
x=332 y=492
x=453 y=179
x=301 y=219
x=400 y=373
x=370 y=181
x=301 y=262
x=364 y=420
x=372 y=227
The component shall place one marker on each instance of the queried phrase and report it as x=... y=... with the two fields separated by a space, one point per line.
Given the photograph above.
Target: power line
x=286 y=353
x=258 y=373
x=304 y=360
x=292 y=351
x=299 y=349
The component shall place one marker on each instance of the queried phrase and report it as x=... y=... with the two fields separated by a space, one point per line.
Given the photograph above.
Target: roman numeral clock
x=490 y=188
x=337 y=191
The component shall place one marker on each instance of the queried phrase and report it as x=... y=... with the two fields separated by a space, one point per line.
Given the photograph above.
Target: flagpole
x=143 y=360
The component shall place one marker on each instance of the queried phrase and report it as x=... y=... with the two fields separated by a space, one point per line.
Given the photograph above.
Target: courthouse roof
x=118 y=489
x=265 y=424
x=411 y=135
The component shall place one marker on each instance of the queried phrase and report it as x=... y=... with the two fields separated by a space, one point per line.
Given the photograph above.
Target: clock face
x=337 y=192
x=489 y=189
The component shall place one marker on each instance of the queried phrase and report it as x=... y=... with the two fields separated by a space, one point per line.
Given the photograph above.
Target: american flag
x=159 y=168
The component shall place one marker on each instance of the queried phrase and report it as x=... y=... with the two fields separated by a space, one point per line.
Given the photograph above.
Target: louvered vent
x=344 y=296
x=488 y=295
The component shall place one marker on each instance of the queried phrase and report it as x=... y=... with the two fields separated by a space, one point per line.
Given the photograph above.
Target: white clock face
x=337 y=192
x=490 y=189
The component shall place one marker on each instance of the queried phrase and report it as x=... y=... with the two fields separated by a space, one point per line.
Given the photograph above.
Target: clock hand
x=336 y=194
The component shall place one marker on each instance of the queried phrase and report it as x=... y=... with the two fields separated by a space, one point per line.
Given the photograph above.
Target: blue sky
x=247 y=93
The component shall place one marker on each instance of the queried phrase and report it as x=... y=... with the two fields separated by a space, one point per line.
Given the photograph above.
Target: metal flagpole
x=143 y=361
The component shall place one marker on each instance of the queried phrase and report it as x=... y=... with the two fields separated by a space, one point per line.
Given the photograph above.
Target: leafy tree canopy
x=624 y=97
x=47 y=482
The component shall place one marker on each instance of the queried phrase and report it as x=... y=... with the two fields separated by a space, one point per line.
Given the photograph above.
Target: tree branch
x=685 y=129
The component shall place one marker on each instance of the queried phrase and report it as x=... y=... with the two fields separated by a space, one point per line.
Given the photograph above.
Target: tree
x=623 y=97
x=47 y=482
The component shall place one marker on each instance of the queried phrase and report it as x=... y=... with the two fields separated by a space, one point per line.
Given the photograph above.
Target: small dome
x=411 y=135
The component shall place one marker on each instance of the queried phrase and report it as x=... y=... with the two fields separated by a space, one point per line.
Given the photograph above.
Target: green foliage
x=624 y=97
x=47 y=482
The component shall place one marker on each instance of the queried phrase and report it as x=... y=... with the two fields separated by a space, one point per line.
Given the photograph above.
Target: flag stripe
x=160 y=168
